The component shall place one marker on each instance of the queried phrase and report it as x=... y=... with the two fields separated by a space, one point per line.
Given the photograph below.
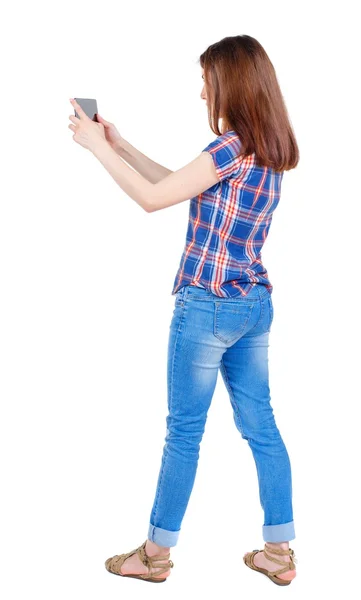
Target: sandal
x=114 y=564
x=272 y=575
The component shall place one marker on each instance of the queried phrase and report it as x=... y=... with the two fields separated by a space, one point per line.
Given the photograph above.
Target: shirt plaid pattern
x=229 y=223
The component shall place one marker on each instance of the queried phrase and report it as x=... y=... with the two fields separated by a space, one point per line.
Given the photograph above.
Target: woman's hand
x=87 y=133
x=112 y=135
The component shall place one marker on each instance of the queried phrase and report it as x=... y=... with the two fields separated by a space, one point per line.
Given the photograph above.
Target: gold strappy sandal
x=272 y=575
x=114 y=564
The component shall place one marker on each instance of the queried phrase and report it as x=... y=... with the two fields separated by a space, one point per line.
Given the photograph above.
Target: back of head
x=243 y=90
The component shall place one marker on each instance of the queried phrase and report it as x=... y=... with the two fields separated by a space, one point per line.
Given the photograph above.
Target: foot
x=261 y=561
x=134 y=566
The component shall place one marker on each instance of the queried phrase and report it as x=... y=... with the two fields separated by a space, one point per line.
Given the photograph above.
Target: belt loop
x=182 y=291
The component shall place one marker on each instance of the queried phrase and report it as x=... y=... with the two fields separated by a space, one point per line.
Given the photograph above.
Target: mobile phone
x=89 y=106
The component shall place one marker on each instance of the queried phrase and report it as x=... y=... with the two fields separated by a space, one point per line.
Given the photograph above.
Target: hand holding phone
x=112 y=135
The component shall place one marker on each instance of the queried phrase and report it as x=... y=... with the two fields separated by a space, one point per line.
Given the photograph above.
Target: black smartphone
x=89 y=106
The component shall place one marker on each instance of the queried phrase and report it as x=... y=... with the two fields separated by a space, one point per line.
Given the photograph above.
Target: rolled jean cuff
x=162 y=537
x=279 y=533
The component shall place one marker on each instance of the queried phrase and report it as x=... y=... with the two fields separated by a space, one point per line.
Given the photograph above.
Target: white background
x=86 y=278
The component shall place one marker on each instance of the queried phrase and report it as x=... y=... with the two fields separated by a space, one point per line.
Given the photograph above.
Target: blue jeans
x=208 y=333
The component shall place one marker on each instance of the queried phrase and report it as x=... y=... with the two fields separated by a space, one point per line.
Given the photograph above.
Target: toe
x=109 y=564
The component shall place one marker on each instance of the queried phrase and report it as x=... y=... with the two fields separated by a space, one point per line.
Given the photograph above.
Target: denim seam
x=156 y=501
x=261 y=296
x=271 y=313
x=230 y=391
x=214 y=298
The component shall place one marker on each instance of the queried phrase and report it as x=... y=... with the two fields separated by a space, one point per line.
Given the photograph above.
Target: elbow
x=151 y=205
x=150 y=201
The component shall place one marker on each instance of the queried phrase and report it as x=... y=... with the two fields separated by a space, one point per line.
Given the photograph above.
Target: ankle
x=283 y=546
x=278 y=545
x=153 y=548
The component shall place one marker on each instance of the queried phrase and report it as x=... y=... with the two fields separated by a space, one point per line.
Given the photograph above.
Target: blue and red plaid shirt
x=229 y=223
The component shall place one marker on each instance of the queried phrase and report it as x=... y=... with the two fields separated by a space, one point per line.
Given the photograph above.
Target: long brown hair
x=242 y=89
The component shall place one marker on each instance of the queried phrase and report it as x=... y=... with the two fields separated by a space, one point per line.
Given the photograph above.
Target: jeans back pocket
x=231 y=319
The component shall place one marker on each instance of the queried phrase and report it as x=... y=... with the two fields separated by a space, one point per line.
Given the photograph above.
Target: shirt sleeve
x=225 y=151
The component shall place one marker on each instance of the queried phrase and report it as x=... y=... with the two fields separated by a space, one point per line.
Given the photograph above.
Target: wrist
x=119 y=146
x=101 y=147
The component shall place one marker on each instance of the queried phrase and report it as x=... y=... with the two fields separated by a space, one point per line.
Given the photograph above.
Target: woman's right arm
x=149 y=169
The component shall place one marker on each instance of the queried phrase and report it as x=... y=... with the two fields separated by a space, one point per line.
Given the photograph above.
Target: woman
x=223 y=308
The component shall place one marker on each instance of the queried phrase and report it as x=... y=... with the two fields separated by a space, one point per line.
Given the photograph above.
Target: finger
x=72 y=127
x=103 y=121
x=74 y=119
x=79 y=109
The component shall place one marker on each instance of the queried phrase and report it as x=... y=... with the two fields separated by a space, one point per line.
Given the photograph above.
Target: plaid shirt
x=229 y=223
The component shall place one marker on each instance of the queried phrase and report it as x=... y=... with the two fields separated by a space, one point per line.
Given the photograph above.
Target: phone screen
x=89 y=106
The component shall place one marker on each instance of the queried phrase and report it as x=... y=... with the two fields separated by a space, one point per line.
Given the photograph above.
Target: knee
x=254 y=427
x=185 y=435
